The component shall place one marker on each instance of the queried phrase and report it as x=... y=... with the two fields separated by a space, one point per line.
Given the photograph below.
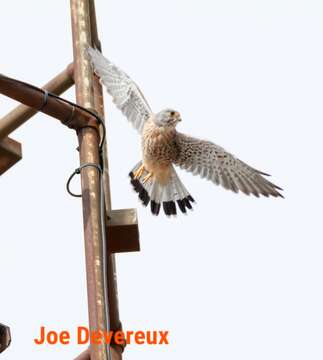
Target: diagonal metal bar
x=32 y=96
x=18 y=116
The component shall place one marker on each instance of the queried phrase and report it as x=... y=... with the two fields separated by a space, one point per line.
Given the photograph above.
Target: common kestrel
x=154 y=177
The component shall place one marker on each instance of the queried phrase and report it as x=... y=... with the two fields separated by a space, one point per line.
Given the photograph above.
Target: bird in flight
x=154 y=177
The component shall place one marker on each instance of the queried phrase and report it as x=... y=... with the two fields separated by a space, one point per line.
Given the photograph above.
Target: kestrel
x=154 y=177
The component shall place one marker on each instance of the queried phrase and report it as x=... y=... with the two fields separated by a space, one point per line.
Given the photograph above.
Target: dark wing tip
x=173 y=208
x=167 y=208
x=181 y=205
x=262 y=173
x=187 y=203
x=189 y=197
x=155 y=207
x=143 y=194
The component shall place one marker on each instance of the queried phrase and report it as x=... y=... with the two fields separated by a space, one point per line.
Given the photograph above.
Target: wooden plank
x=10 y=154
x=122 y=230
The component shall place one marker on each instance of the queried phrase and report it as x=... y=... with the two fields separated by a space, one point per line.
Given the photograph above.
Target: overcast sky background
x=238 y=278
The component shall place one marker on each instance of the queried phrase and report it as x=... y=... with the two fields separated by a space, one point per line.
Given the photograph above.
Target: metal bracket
x=122 y=230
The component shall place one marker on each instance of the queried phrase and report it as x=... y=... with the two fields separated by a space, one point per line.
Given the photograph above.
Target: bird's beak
x=178 y=117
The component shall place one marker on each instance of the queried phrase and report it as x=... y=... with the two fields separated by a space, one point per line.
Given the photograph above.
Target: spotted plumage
x=154 y=177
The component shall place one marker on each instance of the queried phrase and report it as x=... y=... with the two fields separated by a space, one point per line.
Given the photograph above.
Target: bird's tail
x=167 y=196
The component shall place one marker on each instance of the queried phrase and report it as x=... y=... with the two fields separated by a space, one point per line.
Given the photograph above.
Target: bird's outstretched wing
x=216 y=164
x=125 y=93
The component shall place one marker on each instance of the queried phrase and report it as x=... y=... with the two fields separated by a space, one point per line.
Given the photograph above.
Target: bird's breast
x=159 y=146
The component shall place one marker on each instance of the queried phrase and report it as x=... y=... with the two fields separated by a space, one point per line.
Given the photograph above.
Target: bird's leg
x=147 y=177
x=137 y=174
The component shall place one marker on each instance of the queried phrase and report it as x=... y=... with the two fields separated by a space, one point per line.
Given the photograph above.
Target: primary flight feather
x=154 y=177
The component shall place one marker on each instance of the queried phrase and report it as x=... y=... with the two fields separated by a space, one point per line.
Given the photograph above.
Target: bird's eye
x=172 y=113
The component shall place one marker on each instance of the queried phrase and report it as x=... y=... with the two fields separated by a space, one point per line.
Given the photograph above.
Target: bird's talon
x=137 y=174
x=147 y=177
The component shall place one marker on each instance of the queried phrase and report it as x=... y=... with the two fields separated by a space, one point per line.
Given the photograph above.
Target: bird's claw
x=137 y=174
x=147 y=177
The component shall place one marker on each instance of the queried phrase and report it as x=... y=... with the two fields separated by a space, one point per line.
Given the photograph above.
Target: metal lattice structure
x=120 y=225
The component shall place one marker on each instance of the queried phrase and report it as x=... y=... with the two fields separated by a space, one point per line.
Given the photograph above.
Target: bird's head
x=167 y=118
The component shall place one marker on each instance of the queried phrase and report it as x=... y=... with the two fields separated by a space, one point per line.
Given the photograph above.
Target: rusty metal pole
x=73 y=117
x=90 y=179
x=115 y=323
x=58 y=85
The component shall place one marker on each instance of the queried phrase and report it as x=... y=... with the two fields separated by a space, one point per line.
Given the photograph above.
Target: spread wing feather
x=124 y=91
x=212 y=162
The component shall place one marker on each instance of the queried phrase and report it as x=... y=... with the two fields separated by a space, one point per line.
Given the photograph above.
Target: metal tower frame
x=121 y=225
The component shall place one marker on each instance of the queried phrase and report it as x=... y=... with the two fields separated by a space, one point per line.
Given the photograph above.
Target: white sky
x=239 y=278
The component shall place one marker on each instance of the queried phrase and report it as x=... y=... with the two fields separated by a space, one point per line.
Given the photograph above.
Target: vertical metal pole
x=89 y=152
x=115 y=323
